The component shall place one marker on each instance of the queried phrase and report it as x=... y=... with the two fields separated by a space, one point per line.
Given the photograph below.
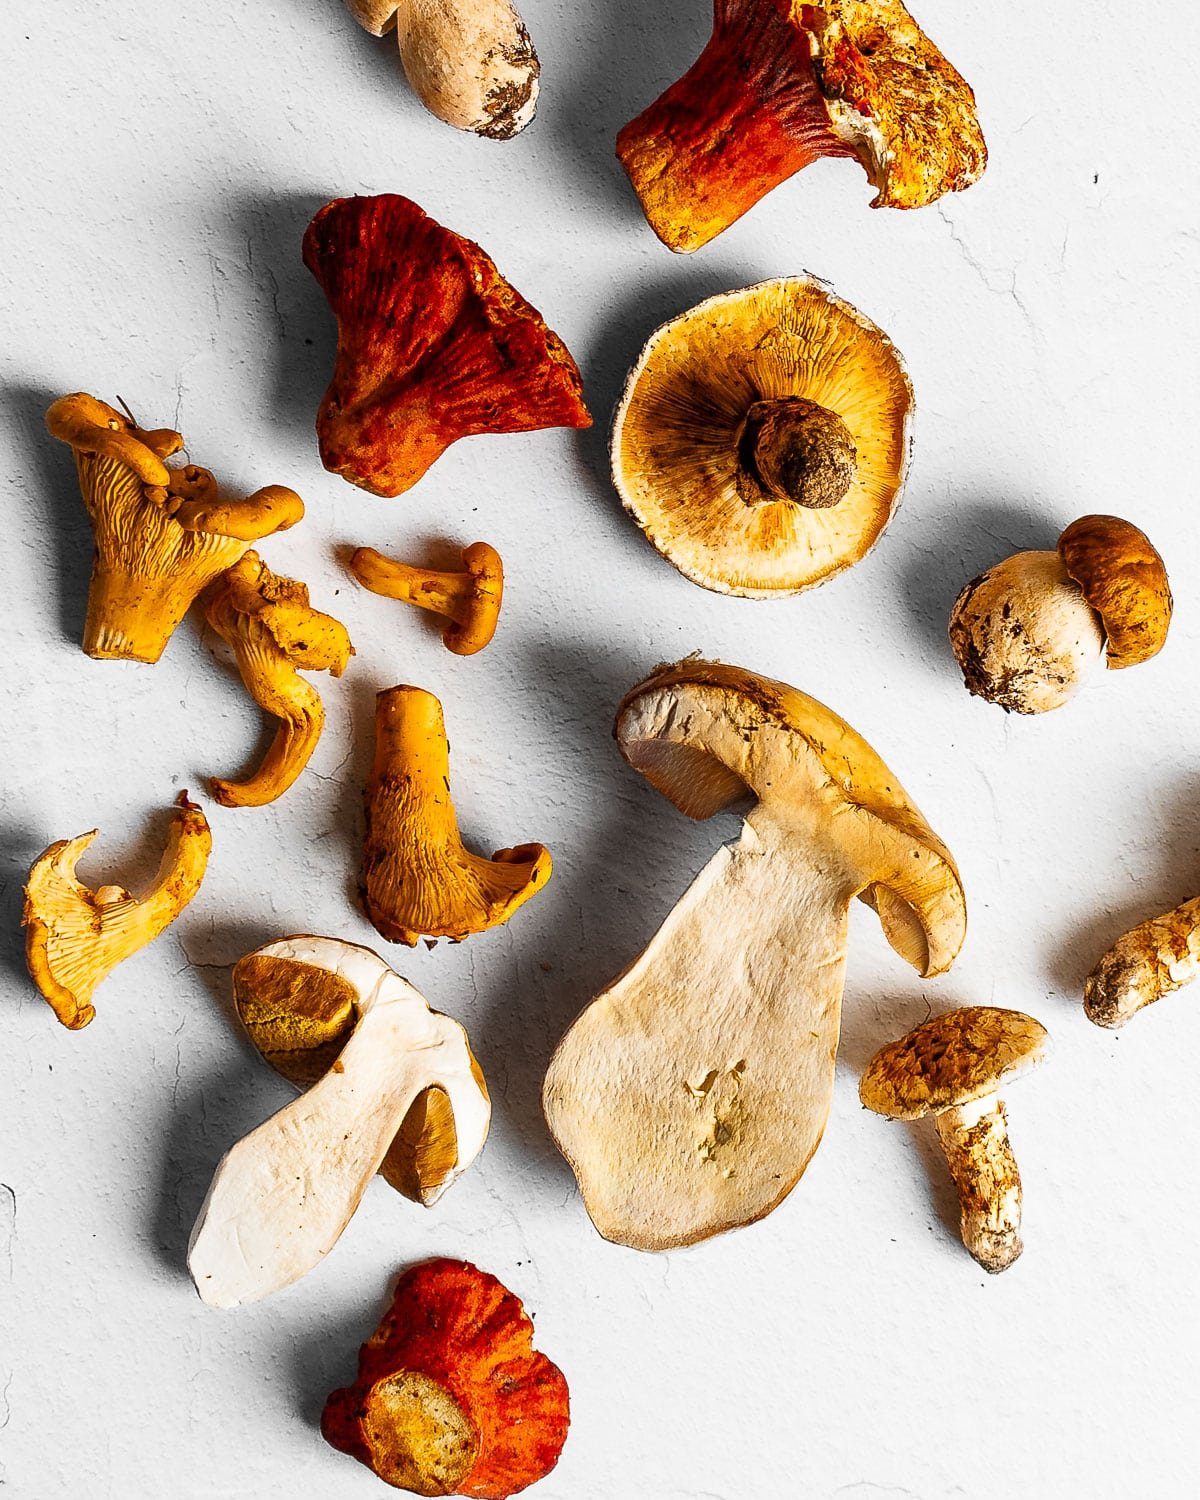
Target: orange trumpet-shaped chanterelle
x=470 y=600
x=780 y=85
x=275 y=633
x=75 y=937
x=417 y=877
x=433 y=345
x=162 y=534
x=451 y=1396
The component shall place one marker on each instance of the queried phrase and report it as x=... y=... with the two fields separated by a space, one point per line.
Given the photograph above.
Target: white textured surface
x=160 y=164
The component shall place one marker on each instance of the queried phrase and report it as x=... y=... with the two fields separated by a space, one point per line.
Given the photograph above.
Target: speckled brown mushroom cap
x=1124 y=580
x=952 y=1059
x=678 y=445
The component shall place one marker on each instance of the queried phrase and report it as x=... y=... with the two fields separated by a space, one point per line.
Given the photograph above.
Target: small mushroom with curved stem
x=418 y=879
x=952 y=1067
x=75 y=937
x=1029 y=631
x=275 y=633
x=1154 y=959
x=280 y=1199
x=469 y=600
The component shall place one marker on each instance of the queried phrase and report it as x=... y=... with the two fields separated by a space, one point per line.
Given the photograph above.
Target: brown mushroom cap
x=679 y=438
x=1124 y=580
x=950 y=1060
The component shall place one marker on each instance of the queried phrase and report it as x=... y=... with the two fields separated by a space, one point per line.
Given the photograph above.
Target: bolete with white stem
x=691 y=1094
x=952 y=1067
x=281 y=1197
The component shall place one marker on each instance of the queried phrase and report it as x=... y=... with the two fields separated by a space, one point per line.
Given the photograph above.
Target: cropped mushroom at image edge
x=1153 y=959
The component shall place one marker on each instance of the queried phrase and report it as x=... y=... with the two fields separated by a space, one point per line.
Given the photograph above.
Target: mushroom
x=952 y=1067
x=1028 y=631
x=75 y=936
x=417 y=877
x=281 y=1197
x=1157 y=957
x=274 y=633
x=690 y=1096
x=762 y=439
x=780 y=85
x=470 y=600
x=433 y=345
x=470 y=62
x=451 y=1397
x=162 y=534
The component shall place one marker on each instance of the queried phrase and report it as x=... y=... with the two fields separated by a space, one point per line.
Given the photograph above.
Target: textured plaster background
x=160 y=165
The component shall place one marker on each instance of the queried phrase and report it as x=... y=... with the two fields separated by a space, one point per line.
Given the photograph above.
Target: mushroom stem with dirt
x=1153 y=959
x=952 y=1067
x=691 y=1094
x=469 y=600
x=281 y=1197
x=1029 y=632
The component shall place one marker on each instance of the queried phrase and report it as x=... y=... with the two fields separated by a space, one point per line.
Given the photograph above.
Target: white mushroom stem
x=282 y=1196
x=975 y=1140
x=1150 y=961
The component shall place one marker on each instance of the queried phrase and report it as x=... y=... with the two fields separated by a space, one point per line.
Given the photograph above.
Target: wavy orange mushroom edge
x=162 y=534
x=470 y=599
x=75 y=936
x=691 y=1094
x=451 y=1398
x=781 y=85
x=433 y=345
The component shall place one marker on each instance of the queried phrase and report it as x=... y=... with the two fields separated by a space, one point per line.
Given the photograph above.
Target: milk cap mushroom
x=779 y=86
x=691 y=1094
x=281 y=1197
x=952 y=1067
x=1029 y=631
x=1154 y=959
x=762 y=439
x=76 y=936
x=433 y=345
x=470 y=599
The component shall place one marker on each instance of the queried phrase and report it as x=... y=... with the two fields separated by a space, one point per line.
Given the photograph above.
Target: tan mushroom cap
x=951 y=1060
x=678 y=449
x=1124 y=580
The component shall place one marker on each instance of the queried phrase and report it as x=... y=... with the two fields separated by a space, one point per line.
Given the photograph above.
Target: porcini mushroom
x=762 y=439
x=691 y=1094
x=451 y=1397
x=470 y=600
x=281 y=1197
x=162 y=534
x=952 y=1067
x=1029 y=631
x=433 y=345
x=1154 y=959
x=75 y=936
x=275 y=633
x=470 y=62
x=780 y=85
x=418 y=879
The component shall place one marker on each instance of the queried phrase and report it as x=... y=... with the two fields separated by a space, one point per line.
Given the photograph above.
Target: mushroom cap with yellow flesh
x=680 y=438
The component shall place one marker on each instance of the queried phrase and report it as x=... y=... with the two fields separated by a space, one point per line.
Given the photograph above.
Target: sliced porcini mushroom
x=952 y=1067
x=470 y=600
x=75 y=936
x=275 y=633
x=690 y=1096
x=451 y=1397
x=162 y=533
x=1154 y=959
x=418 y=879
x=779 y=86
x=281 y=1197
x=1029 y=631
x=763 y=436
x=433 y=345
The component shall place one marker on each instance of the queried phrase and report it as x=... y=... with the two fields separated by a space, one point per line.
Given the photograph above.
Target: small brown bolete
x=691 y=1094
x=952 y=1067
x=469 y=600
x=1028 y=632
x=1154 y=959
x=762 y=439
